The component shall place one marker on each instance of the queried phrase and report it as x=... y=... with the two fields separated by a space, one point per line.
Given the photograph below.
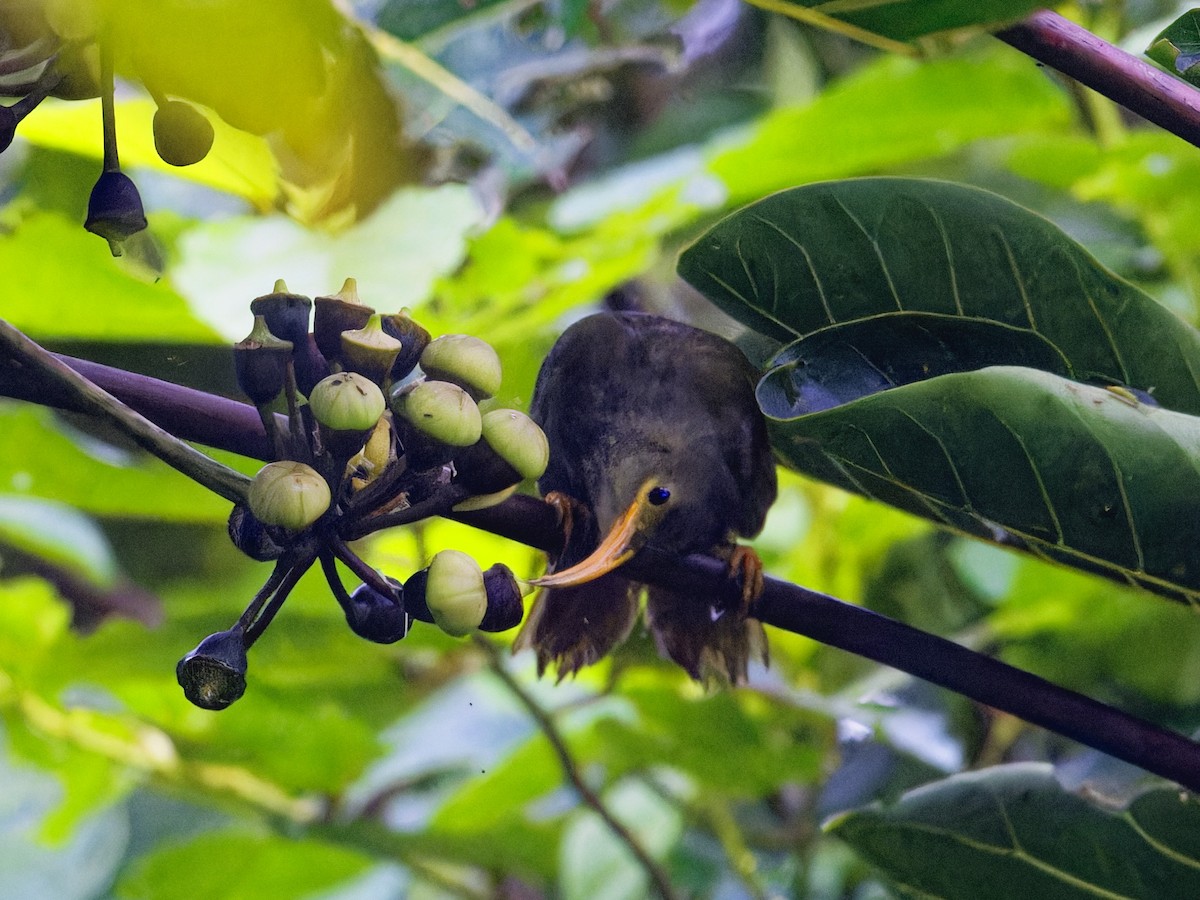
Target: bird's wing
x=723 y=384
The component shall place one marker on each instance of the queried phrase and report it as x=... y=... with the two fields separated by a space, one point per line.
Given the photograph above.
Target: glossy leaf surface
x=1015 y=831
x=943 y=332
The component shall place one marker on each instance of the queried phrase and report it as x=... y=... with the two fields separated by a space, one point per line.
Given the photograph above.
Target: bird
x=656 y=440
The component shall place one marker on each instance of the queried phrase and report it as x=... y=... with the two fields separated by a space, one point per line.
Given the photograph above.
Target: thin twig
x=1135 y=84
x=441 y=503
x=810 y=16
x=290 y=579
x=546 y=724
x=107 y=108
x=43 y=365
x=429 y=70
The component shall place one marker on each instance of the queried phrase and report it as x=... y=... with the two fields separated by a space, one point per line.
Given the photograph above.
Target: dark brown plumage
x=655 y=439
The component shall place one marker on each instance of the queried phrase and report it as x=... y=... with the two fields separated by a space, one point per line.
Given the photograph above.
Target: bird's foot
x=568 y=509
x=746 y=568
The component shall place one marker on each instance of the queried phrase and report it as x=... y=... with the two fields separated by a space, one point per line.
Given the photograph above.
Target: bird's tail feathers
x=573 y=627
x=712 y=647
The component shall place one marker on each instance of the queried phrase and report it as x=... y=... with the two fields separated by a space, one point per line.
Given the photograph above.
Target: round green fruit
x=347 y=401
x=455 y=593
x=517 y=440
x=288 y=494
x=182 y=135
x=443 y=411
x=464 y=360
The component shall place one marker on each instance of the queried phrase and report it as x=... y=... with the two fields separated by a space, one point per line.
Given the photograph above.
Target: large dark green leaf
x=848 y=251
x=1074 y=473
x=944 y=333
x=1013 y=831
x=908 y=19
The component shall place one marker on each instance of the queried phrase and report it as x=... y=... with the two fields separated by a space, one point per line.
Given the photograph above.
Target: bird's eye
x=658 y=496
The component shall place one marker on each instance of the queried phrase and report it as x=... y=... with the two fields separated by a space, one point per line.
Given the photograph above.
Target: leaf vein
x=1017 y=278
x=874 y=246
x=807 y=261
x=958 y=306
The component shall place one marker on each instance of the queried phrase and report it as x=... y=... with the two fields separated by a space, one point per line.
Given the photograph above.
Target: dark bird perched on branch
x=655 y=439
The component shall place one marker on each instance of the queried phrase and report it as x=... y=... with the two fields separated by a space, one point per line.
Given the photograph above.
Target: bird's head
x=665 y=499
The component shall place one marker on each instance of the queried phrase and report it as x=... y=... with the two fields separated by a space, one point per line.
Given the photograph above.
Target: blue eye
x=658 y=496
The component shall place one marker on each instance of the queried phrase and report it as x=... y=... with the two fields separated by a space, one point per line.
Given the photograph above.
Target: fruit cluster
x=365 y=440
x=63 y=56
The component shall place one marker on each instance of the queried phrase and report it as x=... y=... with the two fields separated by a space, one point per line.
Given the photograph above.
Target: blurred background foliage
x=501 y=167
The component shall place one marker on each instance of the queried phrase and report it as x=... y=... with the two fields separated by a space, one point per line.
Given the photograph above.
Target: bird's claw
x=745 y=566
x=567 y=508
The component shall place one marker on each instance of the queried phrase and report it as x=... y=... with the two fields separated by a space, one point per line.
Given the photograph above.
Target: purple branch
x=1135 y=84
x=235 y=426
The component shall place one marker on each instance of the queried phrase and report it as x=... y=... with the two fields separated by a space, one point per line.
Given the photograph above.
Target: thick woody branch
x=1135 y=84
x=44 y=368
x=782 y=605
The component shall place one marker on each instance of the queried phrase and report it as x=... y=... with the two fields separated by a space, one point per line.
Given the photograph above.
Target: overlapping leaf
x=944 y=333
x=1177 y=47
x=1014 y=831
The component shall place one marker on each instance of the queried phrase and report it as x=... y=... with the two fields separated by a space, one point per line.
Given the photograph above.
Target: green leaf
x=1014 y=831
x=1177 y=47
x=395 y=254
x=241 y=865
x=848 y=251
x=411 y=20
x=889 y=113
x=889 y=281
x=43 y=461
x=596 y=865
x=771 y=738
x=59 y=534
x=65 y=284
x=906 y=20
x=1076 y=474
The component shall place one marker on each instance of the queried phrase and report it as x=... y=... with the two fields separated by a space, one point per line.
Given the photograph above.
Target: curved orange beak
x=627 y=536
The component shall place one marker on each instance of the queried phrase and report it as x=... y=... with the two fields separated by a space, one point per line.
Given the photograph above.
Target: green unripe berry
x=454 y=593
x=513 y=448
x=347 y=401
x=442 y=411
x=182 y=135
x=517 y=440
x=288 y=494
x=464 y=360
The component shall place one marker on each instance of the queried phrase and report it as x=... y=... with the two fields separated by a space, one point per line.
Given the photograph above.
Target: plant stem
x=45 y=366
x=1137 y=85
x=291 y=577
x=546 y=724
x=108 y=114
x=235 y=426
x=441 y=503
